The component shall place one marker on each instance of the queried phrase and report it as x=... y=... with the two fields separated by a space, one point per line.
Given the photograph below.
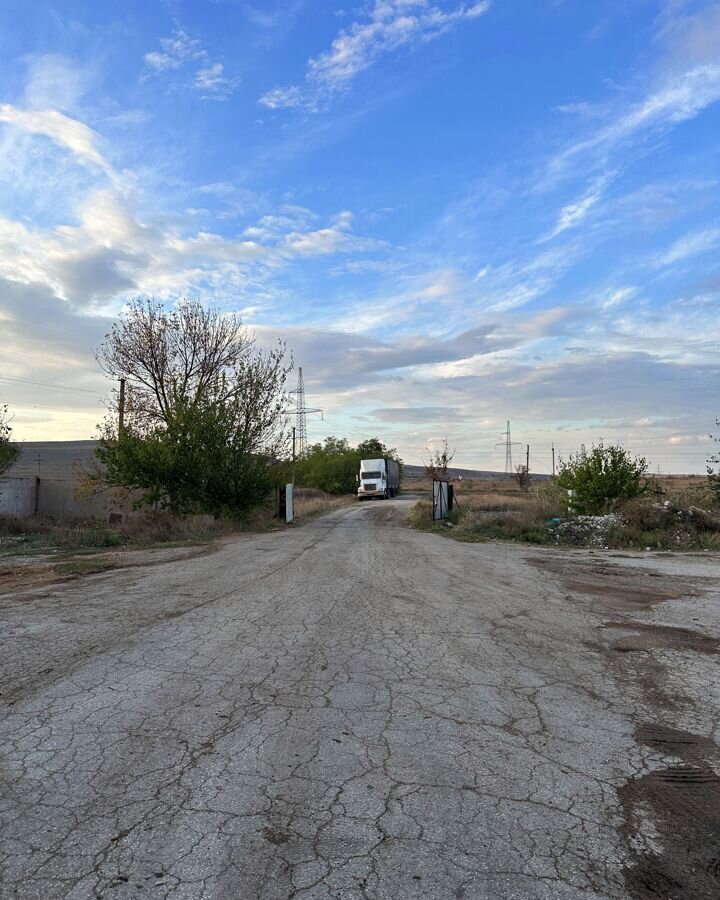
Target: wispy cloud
x=180 y=51
x=104 y=251
x=678 y=99
x=691 y=245
x=177 y=50
x=75 y=136
x=573 y=213
x=392 y=24
x=213 y=81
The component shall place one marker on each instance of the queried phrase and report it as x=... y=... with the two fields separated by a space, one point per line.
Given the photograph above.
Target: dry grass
x=38 y=535
x=509 y=514
x=681 y=527
x=309 y=502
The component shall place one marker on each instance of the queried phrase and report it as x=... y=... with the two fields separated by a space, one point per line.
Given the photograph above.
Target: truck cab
x=378 y=478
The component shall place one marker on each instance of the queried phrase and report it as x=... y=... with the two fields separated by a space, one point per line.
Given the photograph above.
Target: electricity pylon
x=300 y=415
x=508 y=444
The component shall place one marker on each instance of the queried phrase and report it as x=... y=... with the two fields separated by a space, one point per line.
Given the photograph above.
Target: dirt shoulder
x=25 y=572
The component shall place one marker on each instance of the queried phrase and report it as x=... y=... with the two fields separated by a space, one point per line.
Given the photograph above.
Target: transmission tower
x=301 y=423
x=300 y=415
x=508 y=444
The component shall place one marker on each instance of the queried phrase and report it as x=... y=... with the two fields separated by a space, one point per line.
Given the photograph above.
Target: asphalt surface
x=352 y=709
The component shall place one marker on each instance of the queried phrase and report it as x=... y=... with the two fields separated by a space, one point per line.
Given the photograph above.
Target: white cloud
x=213 y=81
x=617 y=296
x=180 y=50
x=161 y=61
x=108 y=253
x=75 y=136
x=574 y=213
x=177 y=49
x=56 y=82
x=392 y=24
x=678 y=99
x=691 y=245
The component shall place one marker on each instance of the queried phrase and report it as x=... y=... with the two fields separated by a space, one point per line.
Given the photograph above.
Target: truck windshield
x=370 y=474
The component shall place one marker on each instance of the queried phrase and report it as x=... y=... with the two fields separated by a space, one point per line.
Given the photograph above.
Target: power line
x=74 y=409
x=57 y=387
x=44 y=358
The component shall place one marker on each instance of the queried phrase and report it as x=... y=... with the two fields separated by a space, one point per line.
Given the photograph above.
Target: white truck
x=378 y=478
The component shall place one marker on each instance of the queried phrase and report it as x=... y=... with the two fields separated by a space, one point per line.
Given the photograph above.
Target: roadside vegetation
x=8 y=450
x=37 y=536
x=670 y=513
x=199 y=424
x=333 y=465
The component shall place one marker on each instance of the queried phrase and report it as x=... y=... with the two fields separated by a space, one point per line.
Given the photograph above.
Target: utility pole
x=553 y=453
x=121 y=408
x=527 y=460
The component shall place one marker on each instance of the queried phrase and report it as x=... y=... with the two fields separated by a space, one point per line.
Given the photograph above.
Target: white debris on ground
x=586 y=530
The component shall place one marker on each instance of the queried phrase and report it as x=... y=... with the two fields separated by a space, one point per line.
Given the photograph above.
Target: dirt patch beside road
x=617 y=587
x=680 y=858
x=23 y=573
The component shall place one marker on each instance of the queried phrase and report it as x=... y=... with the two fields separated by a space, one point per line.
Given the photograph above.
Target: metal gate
x=440 y=499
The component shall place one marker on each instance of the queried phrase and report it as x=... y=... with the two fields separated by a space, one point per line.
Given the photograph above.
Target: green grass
x=473 y=527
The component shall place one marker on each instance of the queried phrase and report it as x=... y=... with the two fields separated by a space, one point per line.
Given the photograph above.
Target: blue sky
x=454 y=213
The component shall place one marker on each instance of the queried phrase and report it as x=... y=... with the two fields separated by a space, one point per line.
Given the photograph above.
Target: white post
x=288 y=503
x=571 y=504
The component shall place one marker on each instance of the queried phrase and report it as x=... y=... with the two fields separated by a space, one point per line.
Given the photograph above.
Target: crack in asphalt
x=357 y=711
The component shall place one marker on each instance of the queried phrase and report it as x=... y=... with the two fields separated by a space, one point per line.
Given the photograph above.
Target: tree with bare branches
x=8 y=450
x=522 y=475
x=204 y=426
x=439 y=461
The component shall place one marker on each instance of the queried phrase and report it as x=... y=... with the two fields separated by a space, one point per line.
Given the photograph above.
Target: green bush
x=603 y=476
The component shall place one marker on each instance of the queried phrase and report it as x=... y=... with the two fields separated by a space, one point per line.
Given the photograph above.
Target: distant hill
x=62 y=459
x=479 y=474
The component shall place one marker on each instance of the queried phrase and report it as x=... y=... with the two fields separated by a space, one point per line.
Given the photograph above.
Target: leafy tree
x=8 y=450
x=333 y=465
x=203 y=426
x=439 y=462
x=603 y=476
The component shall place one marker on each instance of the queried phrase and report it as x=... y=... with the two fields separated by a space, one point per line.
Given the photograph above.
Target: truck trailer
x=378 y=478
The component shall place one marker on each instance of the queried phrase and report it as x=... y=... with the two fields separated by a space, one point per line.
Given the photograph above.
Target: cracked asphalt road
x=351 y=709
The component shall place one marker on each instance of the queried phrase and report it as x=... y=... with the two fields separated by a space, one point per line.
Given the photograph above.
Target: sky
x=455 y=213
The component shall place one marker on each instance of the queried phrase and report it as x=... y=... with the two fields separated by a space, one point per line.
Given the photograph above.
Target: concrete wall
x=54 y=469
x=56 y=498
x=17 y=496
